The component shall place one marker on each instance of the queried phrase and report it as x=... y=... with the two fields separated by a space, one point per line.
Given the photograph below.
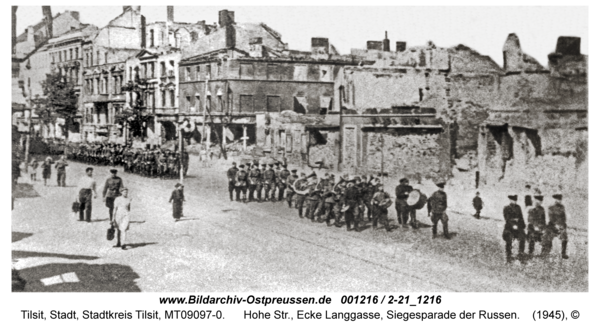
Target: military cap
x=277 y=163
x=557 y=196
x=177 y=185
x=513 y=197
x=234 y=163
x=294 y=171
x=538 y=197
x=263 y=165
x=284 y=165
x=406 y=180
x=241 y=166
x=313 y=174
x=270 y=165
x=356 y=178
x=440 y=184
x=113 y=171
x=248 y=164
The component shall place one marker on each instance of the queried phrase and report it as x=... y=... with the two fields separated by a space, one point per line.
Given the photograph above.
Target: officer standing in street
x=436 y=208
x=402 y=209
x=514 y=228
x=112 y=190
x=231 y=175
x=536 y=223
x=557 y=226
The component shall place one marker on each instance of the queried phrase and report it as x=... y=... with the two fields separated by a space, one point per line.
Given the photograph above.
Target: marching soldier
x=253 y=181
x=300 y=185
x=268 y=181
x=514 y=227
x=323 y=186
x=241 y=183
x=557 y=226
x=276 y=182
x=351 y=200
x=436 y=208
x=329 y=200
x=313 y=197
x=231 y=176
x=283 y=177
x=536 y=223
x=112 y=190
x=402 y=209
x=380 y=202
x=290 y=187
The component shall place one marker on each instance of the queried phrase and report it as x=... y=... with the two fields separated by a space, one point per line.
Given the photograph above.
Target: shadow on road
x=17 y=236
x=79 y=277
x=25 y=190
x=25 y=254
x=188 y=219
x=140 y=245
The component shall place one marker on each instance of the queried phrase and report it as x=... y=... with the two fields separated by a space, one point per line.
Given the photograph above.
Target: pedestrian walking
x=33 y=166
x=177 y=199
x=121 y=219
x=61 y=171
x=111 y=190
x=47 y=169
x=86 y=188
x=436 y=208
x=478 y=205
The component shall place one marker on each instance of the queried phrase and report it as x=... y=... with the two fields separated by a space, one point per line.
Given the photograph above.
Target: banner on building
x=228 y=134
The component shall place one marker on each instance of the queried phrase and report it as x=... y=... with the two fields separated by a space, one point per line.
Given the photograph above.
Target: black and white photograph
x=281 y=150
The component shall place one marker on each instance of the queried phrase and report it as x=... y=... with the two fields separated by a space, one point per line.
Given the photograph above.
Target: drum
x=387 y=203
x=416 y=199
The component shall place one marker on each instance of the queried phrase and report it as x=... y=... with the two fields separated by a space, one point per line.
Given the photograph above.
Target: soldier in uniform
x=369 y=189
x=300 y=185
x=268 y=181
x=379 y=206
x=351 y=200
x=240 y=184
x=231 y=176
x=436 y=208
x=276 y=182
x=402 y=209
x=112 y=190
x=536 y=223
x=557 y=226
x=328 y=201
x=528 y=199
x=514 y=227
x=290 y=187
x=283 y=176
x=253 y=178
x=313 y=197
x=259 y=186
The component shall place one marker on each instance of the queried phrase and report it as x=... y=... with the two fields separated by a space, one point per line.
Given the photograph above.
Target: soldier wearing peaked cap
x=241 y=184
x=402 y=209
x=536 y=223
x=253 y=179
x=557 y=226
x=231 y=176
x=514 y=227
x=259 y=186
x=282 y=185
x=268 y=181
x=290 y=187
x=436 y=208
x=277 y=182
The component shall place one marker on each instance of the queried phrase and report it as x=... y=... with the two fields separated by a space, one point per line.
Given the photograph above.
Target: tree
x=60 y=100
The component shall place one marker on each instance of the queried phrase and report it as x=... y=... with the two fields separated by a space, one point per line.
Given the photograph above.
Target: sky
x=483 y=29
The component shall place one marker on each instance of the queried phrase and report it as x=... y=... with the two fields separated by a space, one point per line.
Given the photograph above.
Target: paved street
x=223 y=246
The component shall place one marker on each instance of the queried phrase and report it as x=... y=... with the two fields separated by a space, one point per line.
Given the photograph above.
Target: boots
x=564 y=250
x=531 y=248
x=434 y=230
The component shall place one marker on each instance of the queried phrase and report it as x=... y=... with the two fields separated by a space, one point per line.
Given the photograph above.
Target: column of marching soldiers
x=362 y=199
x=154 y=163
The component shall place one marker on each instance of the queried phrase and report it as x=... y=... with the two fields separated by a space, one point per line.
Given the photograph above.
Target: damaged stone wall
x=416 y=156
x=328 y=152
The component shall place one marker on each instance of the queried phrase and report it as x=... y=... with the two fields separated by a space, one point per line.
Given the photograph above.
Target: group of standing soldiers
x=156 y=162
x=538 y=230
x=358 y=199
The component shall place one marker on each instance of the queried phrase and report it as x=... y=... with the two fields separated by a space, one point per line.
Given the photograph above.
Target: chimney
x=568 y=45
x=48 y=18
x=75 y=14
x=125 y=8
x=226 y=17
x=143 y=31
x=400 y=46
x=319 y=46
x=386 y=43
x=170 y=14
x=136 y=9
x=14 y=29
x=374 y=45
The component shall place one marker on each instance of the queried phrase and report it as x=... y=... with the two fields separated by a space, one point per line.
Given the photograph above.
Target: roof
x=23 y=36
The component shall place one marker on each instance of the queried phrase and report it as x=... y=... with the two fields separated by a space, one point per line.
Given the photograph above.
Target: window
x=163 y=97
x=219 y=69
x=144 y=71
x=273 y=104
x=300 y=73
x=71 y=54
x=246 y=103
x=97 y=57
x=76 y=70
x=152 y=38
x=197 y=104
x=247 y=71
x=208 y=103
x=198 y=74
x=115 y=84
x=65 y=55
x=163 y=69
x=105 y=85
x=97 y=86
x=91 y=59
x=229 y=100
x=152 y=70
x=188 y=74
x=59 y=56
x=130 y=74
x=188 y=101
x=106 y=57
x=172 y=96
x=76 y=53
x=272 y=72
x=208 y=72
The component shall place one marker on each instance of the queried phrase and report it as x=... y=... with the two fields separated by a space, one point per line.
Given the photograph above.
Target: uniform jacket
x=290 y=181
x=511 y=213
x=438 y=202
x=241 y=177
x=112 y=187
x=537 y=216
x=61 y=166
x=284 y=175
x=352 y=195
x=254 y=176
x=557 y=215
x=477 y=203
x=232 y=173
x=177 y=196
x=269 y=176
x=402 y=192
x=379 y=197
